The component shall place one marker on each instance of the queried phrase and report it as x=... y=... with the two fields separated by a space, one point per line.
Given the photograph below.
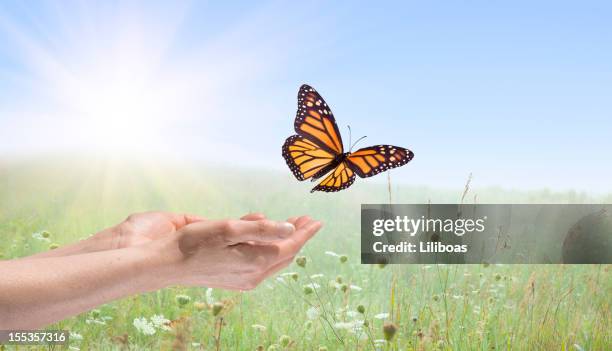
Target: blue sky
x=517 y=93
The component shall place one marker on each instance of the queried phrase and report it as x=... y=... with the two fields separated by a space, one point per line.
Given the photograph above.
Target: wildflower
x=209 y=297
x=182 y=300
x=284 y=340
x=143 y=326
x=312 y=313
x=361 y=309
x=382 y=316
x=331 y=253
x=38 y=236
x=389 y=330
x=301 y=261
x=216 y=308
x=259 y=327
x=74 y=336
x=355 y=287
x=315 y=276
x=343 y=259
x=53 y=246
x=160 y=322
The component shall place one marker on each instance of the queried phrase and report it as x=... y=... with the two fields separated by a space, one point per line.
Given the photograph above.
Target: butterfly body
x=317 y=149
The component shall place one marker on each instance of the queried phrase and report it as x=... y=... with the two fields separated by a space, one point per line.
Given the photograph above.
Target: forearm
x=106 y=239
x=34 y=293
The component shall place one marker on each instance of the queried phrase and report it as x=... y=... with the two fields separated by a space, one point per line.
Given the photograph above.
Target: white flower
x=382 y=316
x=331 y=253
x=356 y=288
x=76 y=336
x=318 y=275
x=142 y=325
x=259 y=327
x=195 y=344
x=312 y=313
x=313 y=286
x=209 y=297
x=280 y=280
x=160 y=322
x=38 y=236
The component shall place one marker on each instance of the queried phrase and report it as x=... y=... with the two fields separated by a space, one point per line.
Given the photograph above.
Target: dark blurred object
x=589 y=240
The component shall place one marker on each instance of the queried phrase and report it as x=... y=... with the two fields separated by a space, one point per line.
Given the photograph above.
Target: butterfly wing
x=315 y=121
x=372 y=160
x=304 y=157
x=341 y=178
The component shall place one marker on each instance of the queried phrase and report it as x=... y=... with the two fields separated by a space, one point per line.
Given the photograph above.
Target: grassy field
x=333 y=301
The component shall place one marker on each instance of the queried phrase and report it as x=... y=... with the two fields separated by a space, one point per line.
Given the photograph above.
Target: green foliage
x=427 y=307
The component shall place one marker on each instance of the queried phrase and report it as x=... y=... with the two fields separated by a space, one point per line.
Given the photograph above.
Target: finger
x=290 y=246
x=292 y=220
x=263 y=230
x=180 y=220
x=253 y=216
x=301 y=221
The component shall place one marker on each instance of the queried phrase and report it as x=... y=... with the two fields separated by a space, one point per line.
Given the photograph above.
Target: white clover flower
x=209 y=296
x=259 y=327
x=382 y=316
x=143 y=326
x=312 y=313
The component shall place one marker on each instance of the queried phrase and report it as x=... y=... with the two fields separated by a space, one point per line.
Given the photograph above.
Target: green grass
x=445 y=307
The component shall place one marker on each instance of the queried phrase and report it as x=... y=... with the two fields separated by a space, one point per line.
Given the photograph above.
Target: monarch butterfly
x=317 y=149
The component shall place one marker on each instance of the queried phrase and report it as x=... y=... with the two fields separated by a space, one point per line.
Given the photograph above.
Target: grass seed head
x=389 y=330
x=182 y=300
x=284 y=340
x=361 y=309
x=308 y=290
x=343 y=259
x=294 y=276
x=217 y=307
x=301 y=261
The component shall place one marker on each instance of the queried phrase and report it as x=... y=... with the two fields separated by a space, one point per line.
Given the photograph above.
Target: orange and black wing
x=304 y=157
x=372 y=160
x=340 y=178
x=315 y=121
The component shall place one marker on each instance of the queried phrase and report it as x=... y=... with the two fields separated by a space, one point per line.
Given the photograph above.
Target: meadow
x=327 y=300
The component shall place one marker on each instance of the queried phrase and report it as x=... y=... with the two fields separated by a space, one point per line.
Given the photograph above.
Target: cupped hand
x=141 y=228
x=235 y=254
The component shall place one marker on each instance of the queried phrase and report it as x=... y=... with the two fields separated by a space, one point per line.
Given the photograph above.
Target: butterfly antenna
x=349 y=128
x=358 y=140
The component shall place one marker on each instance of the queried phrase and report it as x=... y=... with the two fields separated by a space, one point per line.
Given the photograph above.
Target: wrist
x=164 y=260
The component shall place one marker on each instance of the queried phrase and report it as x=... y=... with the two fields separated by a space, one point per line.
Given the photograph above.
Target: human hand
x=141 y=228
x=233 y=254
